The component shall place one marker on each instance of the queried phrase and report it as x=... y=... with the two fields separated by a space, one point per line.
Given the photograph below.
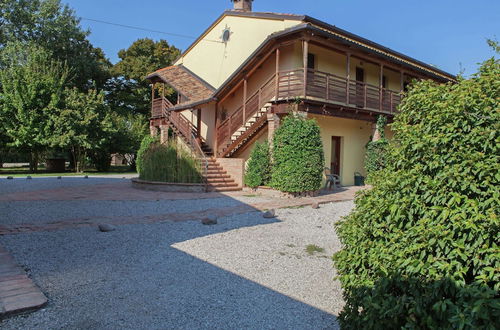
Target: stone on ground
x=209 y=221
x=106 y=227
x=270 y=214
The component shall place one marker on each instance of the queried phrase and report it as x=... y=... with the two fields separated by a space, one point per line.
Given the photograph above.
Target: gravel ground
x=20 y=184
x=244 y=272
x=47 y=211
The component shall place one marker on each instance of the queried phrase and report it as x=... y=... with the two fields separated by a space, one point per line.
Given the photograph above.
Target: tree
x=129 y=90
x=84 y=125
x=298 y=159
x=421 y=248
x=32 y=92
x=56 y=28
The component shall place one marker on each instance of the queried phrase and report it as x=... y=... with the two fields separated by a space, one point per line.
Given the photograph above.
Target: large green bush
x=421 y=249
x=298 y=159
x=258 y=171
x=167 y=163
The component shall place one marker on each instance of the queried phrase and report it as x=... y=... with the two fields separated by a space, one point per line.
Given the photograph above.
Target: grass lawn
x=24 y=171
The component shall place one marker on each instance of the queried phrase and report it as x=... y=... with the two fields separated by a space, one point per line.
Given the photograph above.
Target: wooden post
x=244 y=100
x=198 y=124
x=277 y=72
x=381 y=86
x=401 y=81
x=364 y=94
x=216 y=135
x=348 y=75
x=327 y=86
x=152 y=98
x=305 y=54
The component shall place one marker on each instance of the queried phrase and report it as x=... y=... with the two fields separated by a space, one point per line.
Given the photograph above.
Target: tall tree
x=32 y=91
x=129 y=90
x=55 y=27
x=83 y=124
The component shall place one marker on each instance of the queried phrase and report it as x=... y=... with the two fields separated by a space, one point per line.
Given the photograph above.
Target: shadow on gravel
x=133 y=278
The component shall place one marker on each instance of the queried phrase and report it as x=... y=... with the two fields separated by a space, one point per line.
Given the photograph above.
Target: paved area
x=161 y=268
x=17 y=291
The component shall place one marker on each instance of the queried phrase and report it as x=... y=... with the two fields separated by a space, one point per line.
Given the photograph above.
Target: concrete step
x=220 y=180
x=224 y=189
x=218 y=176
x=223 y=185
x=209 y=172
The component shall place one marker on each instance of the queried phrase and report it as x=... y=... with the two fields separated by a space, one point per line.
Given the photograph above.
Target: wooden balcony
x=329 y=88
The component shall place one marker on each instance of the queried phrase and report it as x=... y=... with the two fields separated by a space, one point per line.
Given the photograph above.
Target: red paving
x=17 y=291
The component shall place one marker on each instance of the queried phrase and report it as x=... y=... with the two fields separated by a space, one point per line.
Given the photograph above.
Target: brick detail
x=17 y=291
x=163 y=134
x=235 y=167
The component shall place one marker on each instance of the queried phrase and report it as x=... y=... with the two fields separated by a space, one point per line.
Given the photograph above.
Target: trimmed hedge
x=298 y=159
x=421 y=248
x=258 y=172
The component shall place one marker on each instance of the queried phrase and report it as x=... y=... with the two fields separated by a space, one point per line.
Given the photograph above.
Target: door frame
x=336 y=166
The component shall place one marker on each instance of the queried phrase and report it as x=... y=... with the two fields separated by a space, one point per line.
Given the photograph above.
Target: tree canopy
x=56 y=28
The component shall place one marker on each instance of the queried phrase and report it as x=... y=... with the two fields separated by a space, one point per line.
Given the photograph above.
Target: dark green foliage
x=129 y=91
x=146 y=144
x=376 y=151
x=258 y=171
x=421 y=248
x=56 y=28
x=298 y=159
x=167 y=163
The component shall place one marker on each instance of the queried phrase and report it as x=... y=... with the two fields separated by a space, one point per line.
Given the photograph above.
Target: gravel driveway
x=244 y=272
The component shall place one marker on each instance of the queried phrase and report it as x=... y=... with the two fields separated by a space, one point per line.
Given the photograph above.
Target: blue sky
x=450 y=34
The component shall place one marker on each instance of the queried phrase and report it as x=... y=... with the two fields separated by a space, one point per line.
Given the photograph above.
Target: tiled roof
x=184 y=82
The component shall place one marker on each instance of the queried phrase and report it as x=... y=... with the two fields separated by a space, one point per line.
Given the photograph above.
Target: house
x=248 y=69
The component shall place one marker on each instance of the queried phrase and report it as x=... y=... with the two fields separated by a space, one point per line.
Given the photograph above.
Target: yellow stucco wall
x=216 y=61
x=354 y=134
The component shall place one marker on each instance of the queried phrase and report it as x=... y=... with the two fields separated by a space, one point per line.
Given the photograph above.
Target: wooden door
x=360 y=88
x=335 y=160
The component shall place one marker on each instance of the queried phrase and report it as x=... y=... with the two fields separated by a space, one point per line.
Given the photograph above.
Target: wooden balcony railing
x=329 y=87
x=159 y=105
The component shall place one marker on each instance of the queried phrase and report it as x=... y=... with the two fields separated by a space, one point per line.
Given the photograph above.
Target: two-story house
x=249 y=68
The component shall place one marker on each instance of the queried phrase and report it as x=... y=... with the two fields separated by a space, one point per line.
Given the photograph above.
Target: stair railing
x=190 y=134
x=241 y=116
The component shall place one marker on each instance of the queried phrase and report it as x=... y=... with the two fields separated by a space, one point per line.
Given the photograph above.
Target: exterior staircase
x=246 y=132
x=218 y=179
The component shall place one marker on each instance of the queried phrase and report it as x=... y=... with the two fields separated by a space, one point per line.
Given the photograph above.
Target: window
x=384 y=82
x=311 y=61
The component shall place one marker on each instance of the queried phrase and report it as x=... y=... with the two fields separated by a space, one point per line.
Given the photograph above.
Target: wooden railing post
x=381 y=87
x=348 y=75
x=305 y=63
x=327 y=87
x=277 y=72
x=244 y=100
x=390 y=101
x=364 y=94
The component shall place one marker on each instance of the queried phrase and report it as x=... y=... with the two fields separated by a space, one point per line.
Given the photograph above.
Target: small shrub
x=421 y=248
x=258 y=171
x=167 y=163
x=298 y=159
